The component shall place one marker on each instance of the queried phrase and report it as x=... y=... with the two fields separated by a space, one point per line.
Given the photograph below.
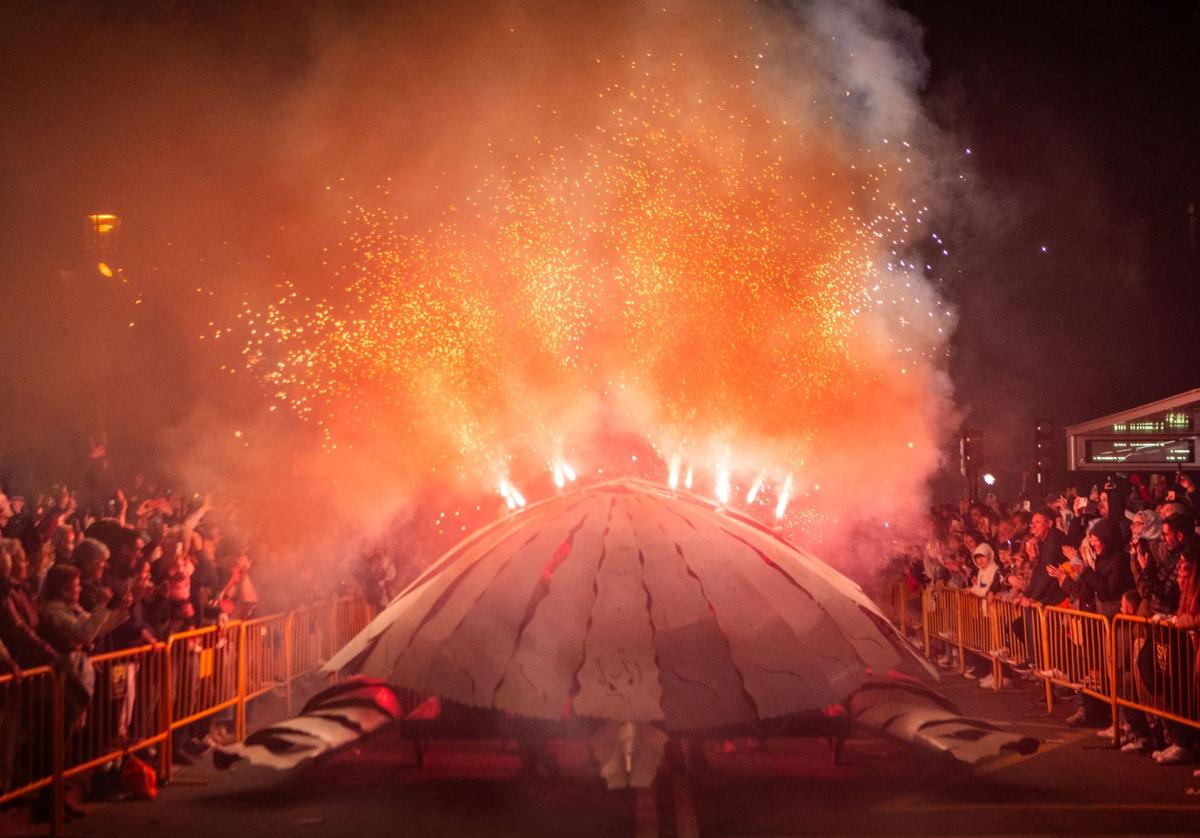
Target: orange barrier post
x=28 y=720
x=58 y=718
x=123 y=714
x=1154 y=669
x=264 y=661
x=142 y=695
x=202 y=667
x=926 y=608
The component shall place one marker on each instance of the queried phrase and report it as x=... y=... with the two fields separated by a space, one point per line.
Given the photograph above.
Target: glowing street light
x=989 y=479
x=103 y=230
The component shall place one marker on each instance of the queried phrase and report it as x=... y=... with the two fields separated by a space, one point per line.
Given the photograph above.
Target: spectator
x=64 y=542
x=237 y=598
x=987 y=579
x=18 y=614
x=1153 y=565
x=10 y=711
x=1183 y=738
x=147 y=622
x=1131 y=642
x=65 y=624
x=1100 y=584
x=1045 y=551
x=71 y=630
x=206 y=580
x=178 y=569
x=39 y=563
x=1158 y=489
x=377 y=575
x=91 y=556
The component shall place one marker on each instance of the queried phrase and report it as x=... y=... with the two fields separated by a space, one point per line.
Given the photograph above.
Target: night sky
x=1085 y=131
x=1081 y=119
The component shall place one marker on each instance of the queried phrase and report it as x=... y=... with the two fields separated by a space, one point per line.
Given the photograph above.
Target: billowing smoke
x=387 y=262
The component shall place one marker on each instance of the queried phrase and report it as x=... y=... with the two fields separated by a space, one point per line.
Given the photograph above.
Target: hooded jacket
x=1101 y=587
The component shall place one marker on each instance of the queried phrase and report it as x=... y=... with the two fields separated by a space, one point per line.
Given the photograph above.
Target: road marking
x=1012 y=759
x=910 y=802
x=685 y=809
x=1050 y=807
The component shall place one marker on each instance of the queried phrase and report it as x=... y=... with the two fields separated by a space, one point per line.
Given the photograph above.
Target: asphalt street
x=1075 y=784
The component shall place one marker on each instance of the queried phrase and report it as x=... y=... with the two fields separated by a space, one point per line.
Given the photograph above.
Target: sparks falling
x=728 y=279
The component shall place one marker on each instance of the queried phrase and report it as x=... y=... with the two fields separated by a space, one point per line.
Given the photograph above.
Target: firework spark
x=733 y=286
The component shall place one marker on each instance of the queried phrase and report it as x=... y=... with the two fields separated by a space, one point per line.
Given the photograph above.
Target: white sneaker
x=987 y=682
x=1134 y=746
x=944 y=660
x=1077 y=717
x=969 y=674
x=1107 y=733
x=1173 y=755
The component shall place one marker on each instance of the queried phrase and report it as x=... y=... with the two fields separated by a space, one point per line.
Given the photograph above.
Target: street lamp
x=103 y=230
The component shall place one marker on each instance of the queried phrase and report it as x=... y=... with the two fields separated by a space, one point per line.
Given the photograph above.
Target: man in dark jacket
x=1046 y=550
x=1179 y=534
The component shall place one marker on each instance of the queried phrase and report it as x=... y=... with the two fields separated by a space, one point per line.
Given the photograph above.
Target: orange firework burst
x=728 y=283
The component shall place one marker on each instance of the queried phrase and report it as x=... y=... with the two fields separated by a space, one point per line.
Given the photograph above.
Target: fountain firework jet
x=713 y=253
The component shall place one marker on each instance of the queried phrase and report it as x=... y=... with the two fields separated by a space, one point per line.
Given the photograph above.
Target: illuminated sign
x=1142 y=452
x=1172 y=422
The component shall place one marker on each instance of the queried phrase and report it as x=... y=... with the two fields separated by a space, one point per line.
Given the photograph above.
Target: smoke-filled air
x=539 y=244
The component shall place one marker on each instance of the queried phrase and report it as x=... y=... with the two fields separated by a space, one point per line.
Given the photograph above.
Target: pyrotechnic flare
x=785 y=496
x=752 y=495
x=707 y=260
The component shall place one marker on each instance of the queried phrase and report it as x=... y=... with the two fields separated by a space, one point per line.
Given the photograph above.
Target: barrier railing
x=125 y=709
x=52 y=729
x=350 y=617
x=32 y=717
x=310 y=632
x=265 y=656
x=974 y=626
x=1154 y=669
x=1014 y=640
x=941 y=618
x=1077 y=646
x=1125 y=662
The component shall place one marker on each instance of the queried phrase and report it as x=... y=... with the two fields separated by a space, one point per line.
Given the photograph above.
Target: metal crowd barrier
x=50 y=730
x=32 y=717
x=310 y=630
x=265 y=656
x=1078 y=651
x=126 y=709
x=1154 y=669
x=1125 y=662
x=940 y=616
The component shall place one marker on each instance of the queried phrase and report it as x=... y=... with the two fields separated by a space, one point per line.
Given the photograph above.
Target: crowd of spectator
x=128 y=569
x=1127 y=544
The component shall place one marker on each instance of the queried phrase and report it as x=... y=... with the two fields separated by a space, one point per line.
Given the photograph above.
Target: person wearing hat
x=987 y=576
x=986 y=580
x=1099 y=588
